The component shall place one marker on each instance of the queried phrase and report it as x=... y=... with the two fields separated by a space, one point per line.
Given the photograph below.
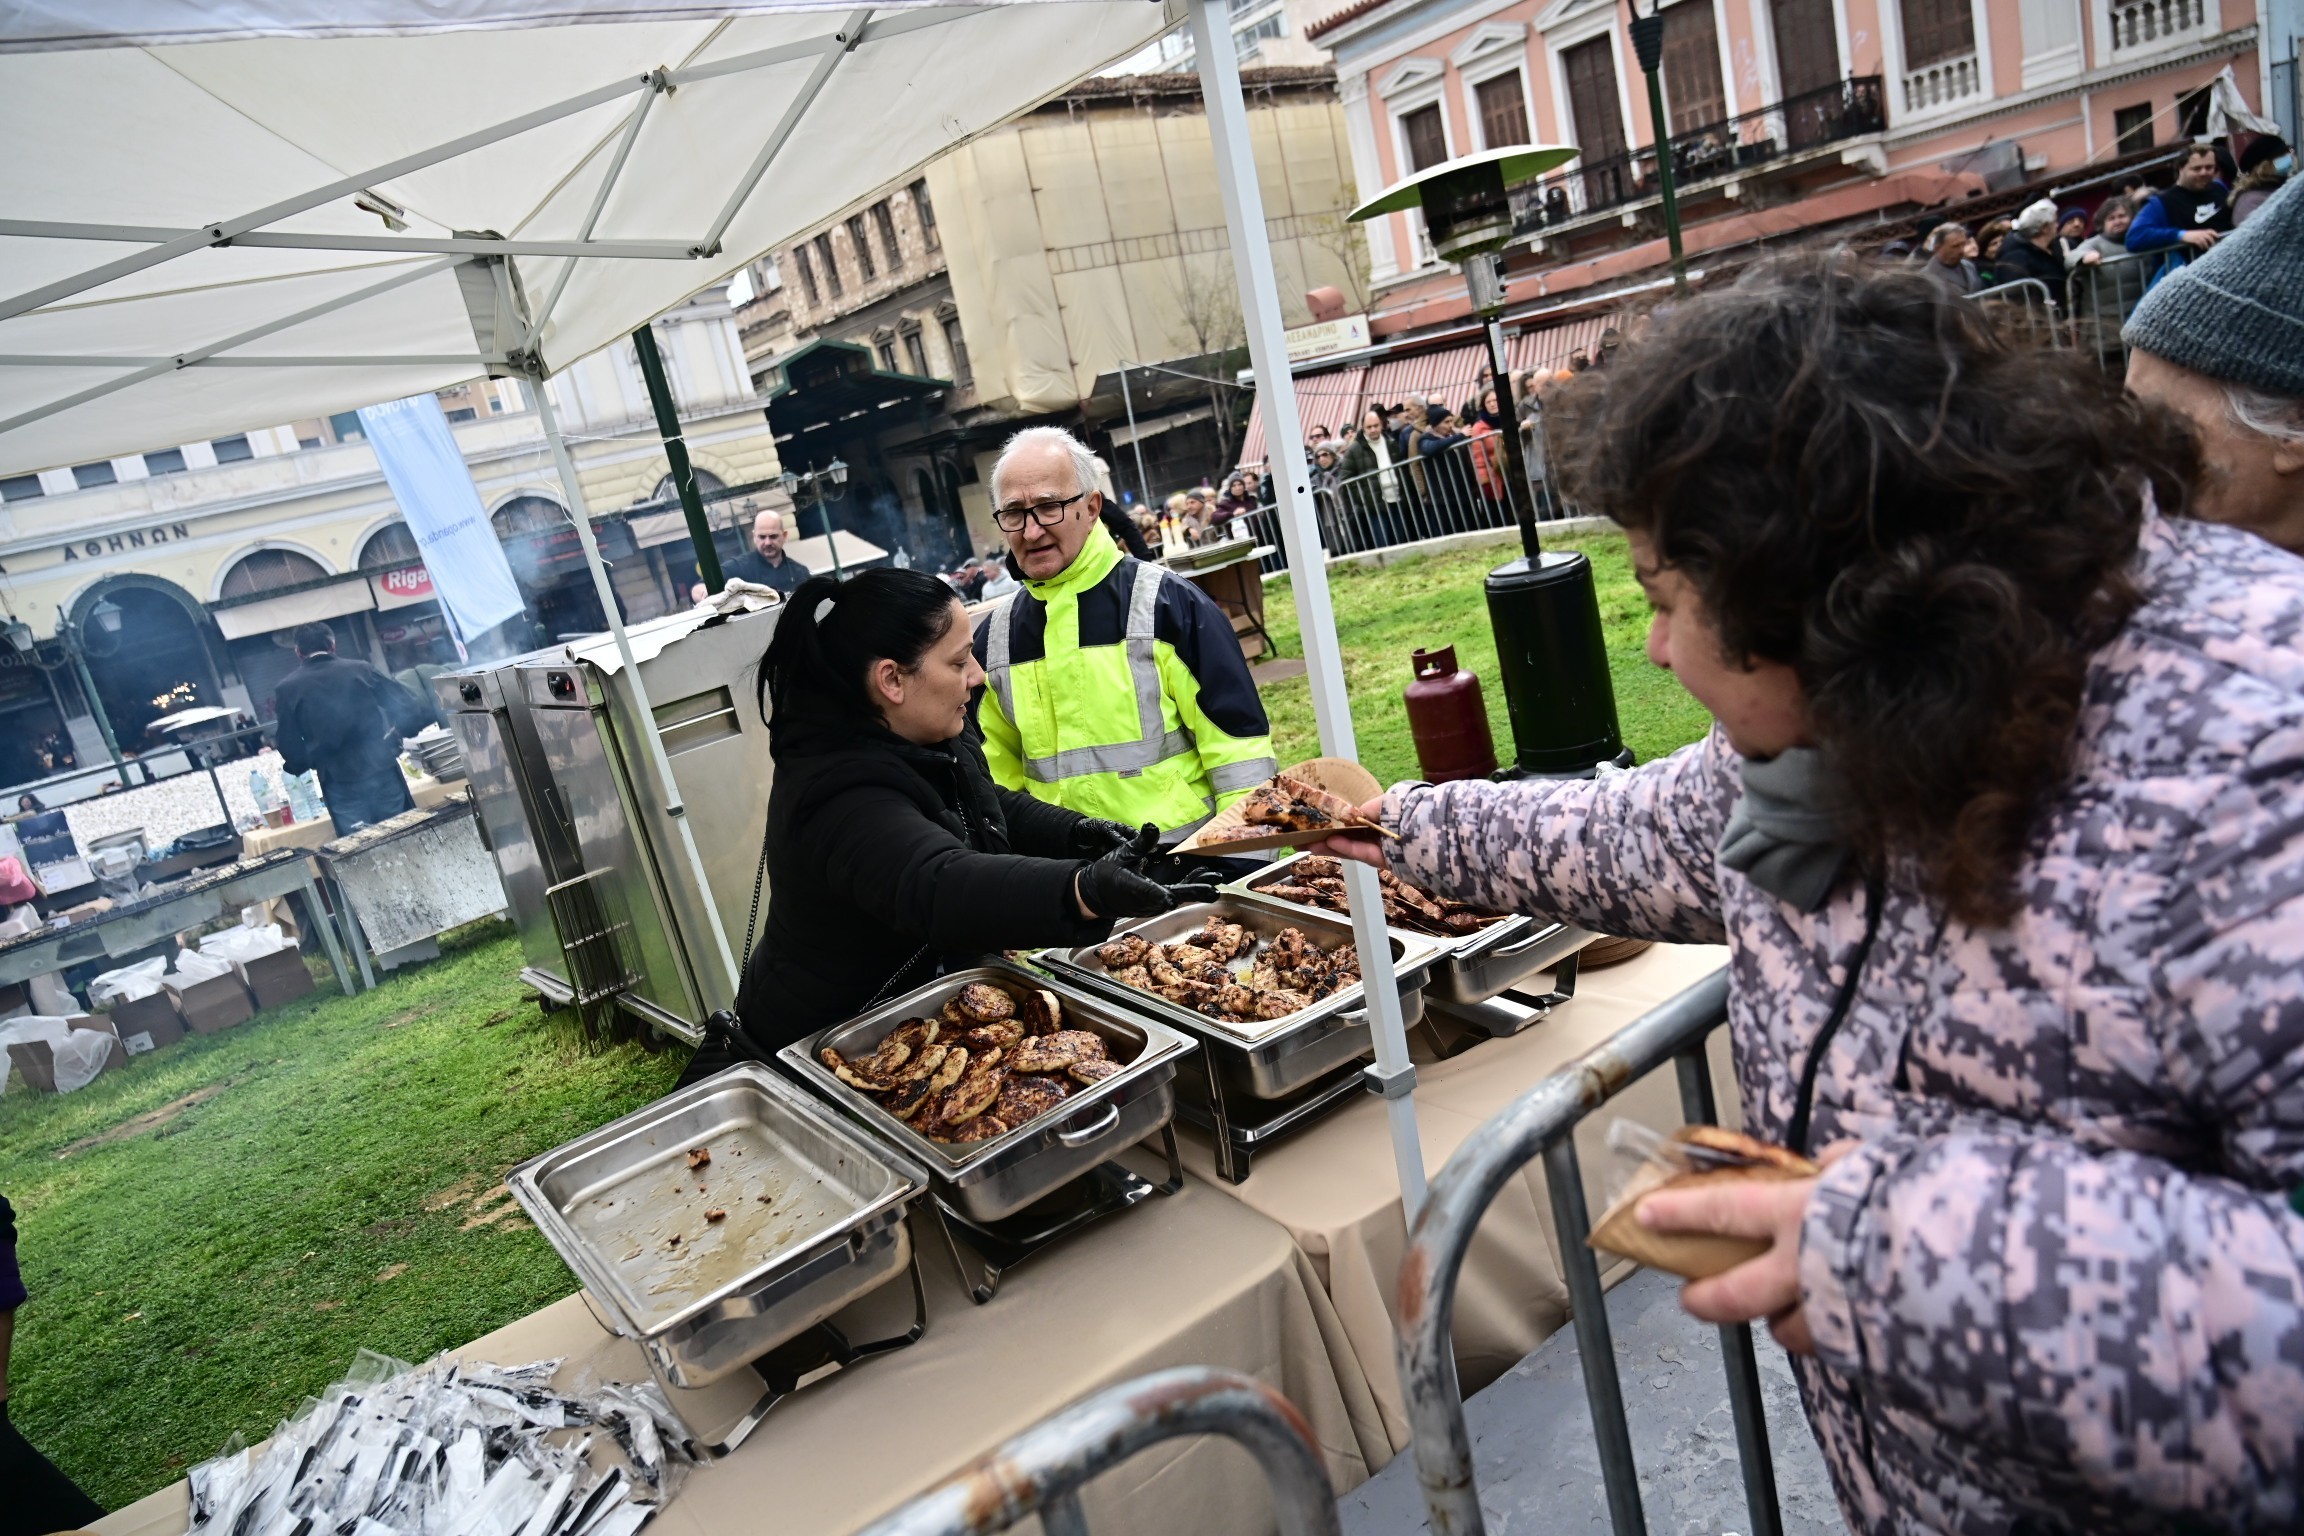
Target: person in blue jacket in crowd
x=2193 y=213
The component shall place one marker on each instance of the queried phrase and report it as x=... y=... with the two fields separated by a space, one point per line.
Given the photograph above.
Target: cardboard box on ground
x=36 y=1059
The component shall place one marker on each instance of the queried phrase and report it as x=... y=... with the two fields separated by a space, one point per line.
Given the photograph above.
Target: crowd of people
x=2211 y=196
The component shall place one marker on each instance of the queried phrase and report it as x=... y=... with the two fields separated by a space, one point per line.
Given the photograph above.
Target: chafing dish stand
x=1010 y=1196
x=1264 y=1081
x=709 y=1293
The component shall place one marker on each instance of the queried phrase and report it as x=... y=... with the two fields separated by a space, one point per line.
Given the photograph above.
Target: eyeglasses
x=1046 y=513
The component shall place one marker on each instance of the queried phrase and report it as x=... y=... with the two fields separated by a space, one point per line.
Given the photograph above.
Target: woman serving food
x=891 y=853
x=2002 y=820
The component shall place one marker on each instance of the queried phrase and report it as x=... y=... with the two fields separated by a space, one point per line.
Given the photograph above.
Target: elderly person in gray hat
x=2222 y=343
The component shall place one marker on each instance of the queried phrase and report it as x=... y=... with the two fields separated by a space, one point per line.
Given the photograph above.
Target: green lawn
x=211 y=1234
x=197 y=1271
x=1385 y=613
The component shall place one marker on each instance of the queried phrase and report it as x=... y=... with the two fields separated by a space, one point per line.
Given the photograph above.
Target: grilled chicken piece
x=854 y=1074
x=1039 y=1012
x=1094 y=1071
x=1026 y=1098
x=985 y=1004
x=1238 y=1001
x=1278 y=1004
x=1318 y=866
x=1302 y=895
x=954 y=1020
x=1132 y=976
x=1163 y=973
x=994 y=1037
x=917 y=1034
x=905 y=1100
x=969 y=1096
x=1053 y=1053
x=1186 y=957
x=1127 y=949
x=1466 y=922
x=1408 y=895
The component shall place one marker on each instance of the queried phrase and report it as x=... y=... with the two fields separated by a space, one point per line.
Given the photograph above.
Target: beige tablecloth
x=1194 y=1279
x=1335 y=1189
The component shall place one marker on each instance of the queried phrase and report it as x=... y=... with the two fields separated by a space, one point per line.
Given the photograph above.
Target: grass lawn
x=1385 y=613
x=211 y=1234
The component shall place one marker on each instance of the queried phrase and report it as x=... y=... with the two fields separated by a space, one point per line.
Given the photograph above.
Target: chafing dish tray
x=1273 y=1058
x=987 y=1180
x=813 y=1218
x=1470 y=969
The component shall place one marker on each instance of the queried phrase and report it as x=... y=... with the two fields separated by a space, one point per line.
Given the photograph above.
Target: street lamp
x=823 y=487
x=1648 y=47
x=105 y=618
x=1543 y=606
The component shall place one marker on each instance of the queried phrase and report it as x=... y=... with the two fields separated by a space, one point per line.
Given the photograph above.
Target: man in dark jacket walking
x=346 y=719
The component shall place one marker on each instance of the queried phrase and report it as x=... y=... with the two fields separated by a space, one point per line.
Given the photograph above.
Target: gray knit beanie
x=2236 y=313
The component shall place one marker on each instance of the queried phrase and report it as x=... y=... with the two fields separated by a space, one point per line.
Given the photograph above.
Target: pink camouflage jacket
x=2060 y=1287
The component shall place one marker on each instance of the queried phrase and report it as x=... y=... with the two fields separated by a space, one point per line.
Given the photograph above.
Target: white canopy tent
x=226 y=213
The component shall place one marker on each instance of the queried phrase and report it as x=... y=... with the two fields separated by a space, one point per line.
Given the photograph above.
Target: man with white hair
x=1112 y=687
x=2221 y=342
x=2030 y=251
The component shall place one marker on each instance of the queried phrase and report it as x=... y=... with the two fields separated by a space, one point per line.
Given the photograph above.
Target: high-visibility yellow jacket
x=1117 y=689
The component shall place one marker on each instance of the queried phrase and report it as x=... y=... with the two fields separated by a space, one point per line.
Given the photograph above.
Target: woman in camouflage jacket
x=2003 y=823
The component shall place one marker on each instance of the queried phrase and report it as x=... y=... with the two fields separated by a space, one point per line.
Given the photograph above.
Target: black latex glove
x=1110 y=888
x=1092 y=839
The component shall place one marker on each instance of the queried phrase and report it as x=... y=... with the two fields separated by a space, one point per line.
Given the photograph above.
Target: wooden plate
x=1337 y=775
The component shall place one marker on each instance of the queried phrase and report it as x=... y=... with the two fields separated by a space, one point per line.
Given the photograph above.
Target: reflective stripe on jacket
x=1118 y=690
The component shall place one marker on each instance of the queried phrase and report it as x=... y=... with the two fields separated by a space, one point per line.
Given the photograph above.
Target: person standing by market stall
x=2002 y=821
x=346 y=719
x=35 y=1498
x=765 y=563
x=1114 y=688
x=892 y=855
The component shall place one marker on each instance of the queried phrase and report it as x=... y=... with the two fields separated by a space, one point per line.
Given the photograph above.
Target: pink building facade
x=1784 y=116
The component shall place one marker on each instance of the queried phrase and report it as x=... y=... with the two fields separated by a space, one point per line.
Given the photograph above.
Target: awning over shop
x=1332 y=399
x=1123 y=435
x=290 y=609
x=830 y=384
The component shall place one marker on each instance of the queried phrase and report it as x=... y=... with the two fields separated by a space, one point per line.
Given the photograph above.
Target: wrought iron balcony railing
x=1733 y=146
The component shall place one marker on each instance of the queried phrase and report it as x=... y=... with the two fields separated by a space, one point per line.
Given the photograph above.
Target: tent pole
x=674 y=807
x=676 y=455
x=1307 y=558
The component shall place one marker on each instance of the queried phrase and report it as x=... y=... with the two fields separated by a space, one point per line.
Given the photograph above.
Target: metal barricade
x=1460 y=489
x=1043 y=1469
x=2103 y=295
x=2027 y=309
x=1540 y=1124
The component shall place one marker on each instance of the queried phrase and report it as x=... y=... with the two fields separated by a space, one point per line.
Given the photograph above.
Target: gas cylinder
x=1448 y=719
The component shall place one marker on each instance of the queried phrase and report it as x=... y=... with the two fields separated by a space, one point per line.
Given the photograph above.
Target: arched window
x=269 y=570
x=529 y=514
x=390 y=548
x=706 y=483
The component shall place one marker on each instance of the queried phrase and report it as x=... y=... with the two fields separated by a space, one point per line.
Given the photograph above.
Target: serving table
x=1333 y=1185
x=1197 y=1279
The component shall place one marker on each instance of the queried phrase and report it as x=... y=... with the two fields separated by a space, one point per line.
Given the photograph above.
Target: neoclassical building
x=179 y=572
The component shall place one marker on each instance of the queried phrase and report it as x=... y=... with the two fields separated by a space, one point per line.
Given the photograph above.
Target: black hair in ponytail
x=832 y=631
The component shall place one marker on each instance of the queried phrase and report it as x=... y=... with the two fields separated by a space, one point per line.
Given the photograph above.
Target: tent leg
x=1307 y=559
x=674 y=806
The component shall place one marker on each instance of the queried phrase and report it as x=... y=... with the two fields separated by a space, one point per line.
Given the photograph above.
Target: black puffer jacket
x=885 y=857
x=345 y=718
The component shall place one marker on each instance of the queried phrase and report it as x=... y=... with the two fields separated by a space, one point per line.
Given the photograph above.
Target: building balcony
x=1943 y=85
x=2141 y=27
x=1771 y=138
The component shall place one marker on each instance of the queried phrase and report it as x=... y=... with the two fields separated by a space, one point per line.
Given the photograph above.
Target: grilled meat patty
x=985 y=1004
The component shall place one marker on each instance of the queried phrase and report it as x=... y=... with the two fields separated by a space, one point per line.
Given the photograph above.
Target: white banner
x=429 y=479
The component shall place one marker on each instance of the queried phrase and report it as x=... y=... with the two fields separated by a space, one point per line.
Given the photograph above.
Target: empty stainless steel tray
x=987 y=1180
x=813 y=1218
x=1272 y=1059
x=1470 y=969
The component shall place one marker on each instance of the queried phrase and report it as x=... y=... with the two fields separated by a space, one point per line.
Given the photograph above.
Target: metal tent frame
x=510 y=334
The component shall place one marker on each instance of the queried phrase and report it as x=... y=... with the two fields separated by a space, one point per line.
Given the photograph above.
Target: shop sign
x=1324 y=337
x=121 y=543
x=408 y=584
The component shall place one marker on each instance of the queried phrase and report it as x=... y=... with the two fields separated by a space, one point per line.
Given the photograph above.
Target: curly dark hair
x=1931 y=523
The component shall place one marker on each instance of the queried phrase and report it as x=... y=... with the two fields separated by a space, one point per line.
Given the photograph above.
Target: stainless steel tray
x=1274 y=1059
x=831 y=1230
x=1471 y=969
x=987 y=1180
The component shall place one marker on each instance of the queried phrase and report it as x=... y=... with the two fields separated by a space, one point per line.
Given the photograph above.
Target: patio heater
x=1543 y=606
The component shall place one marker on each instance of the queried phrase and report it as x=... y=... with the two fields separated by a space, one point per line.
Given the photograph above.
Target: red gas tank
x=1449 y=719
